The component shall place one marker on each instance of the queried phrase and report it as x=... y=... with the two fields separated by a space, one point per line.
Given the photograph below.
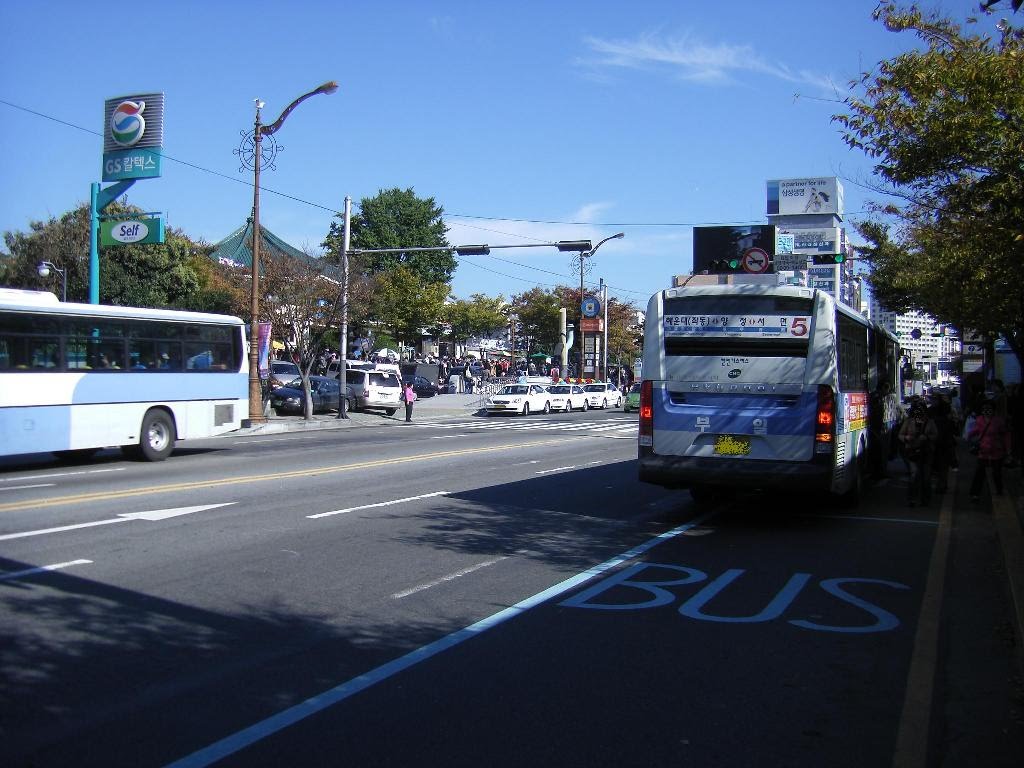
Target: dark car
x=324 y=391
x=421 y=385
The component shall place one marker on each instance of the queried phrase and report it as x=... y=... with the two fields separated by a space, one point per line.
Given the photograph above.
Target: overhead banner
x=793 y=197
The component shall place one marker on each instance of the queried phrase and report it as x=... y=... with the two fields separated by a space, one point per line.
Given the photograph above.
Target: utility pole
x=343 y=340
x=604 y=347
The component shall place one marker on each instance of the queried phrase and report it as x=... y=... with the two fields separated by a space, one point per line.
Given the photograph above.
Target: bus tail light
x=825 y=420
x=646 y=428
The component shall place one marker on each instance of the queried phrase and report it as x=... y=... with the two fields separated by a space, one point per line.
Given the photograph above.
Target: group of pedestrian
x=928 y=437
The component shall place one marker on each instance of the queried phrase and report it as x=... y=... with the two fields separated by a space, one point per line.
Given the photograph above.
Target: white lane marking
x=158 y=514
x=447 y=437
x=60 y=474
x=449 y=577
x=255 y=733
x=378 y=504
x=61 y=529
x=42 y=569
x=23 y=487
x=163 y=514
x=556 y=469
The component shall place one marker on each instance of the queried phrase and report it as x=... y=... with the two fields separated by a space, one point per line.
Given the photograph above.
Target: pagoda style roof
x=235 y=250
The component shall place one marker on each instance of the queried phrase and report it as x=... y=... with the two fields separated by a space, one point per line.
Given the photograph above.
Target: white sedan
x=601 y=394
x=519 y=398
x=568 y=397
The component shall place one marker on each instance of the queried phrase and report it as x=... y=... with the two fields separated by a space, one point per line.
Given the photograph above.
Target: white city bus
x=758 y=387
x=75 y=378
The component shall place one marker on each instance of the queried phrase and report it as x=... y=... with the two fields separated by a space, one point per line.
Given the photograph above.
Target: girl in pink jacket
x=993 y=438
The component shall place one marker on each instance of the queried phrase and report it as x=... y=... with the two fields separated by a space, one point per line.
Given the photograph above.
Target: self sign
x=121 y=232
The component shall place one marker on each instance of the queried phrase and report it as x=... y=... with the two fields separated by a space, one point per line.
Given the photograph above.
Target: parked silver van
x=375 y=388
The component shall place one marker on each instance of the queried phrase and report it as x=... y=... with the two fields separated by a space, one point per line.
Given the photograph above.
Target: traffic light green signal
x=829 y=258
x=719 y=266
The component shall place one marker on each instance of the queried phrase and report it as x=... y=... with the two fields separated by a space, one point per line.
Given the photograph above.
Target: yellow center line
x=106 y=495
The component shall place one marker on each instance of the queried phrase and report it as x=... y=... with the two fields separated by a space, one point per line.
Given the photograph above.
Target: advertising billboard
x=819 y=194
x=133 y=136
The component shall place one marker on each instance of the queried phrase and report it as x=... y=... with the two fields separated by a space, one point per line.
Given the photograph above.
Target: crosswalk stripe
x=619 y=425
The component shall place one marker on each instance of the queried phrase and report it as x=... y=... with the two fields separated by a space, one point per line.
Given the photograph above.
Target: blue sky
x=526 y=122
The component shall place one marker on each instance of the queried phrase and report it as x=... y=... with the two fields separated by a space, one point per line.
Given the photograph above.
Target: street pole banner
x=263 y=350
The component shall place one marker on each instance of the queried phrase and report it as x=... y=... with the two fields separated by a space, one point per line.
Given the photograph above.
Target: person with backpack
x=918 y=437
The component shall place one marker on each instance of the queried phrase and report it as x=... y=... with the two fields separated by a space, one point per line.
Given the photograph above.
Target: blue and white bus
x=749 y=386
x=75 y=378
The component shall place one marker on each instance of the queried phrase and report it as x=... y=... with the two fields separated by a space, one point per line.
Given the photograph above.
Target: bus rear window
x=768 y=347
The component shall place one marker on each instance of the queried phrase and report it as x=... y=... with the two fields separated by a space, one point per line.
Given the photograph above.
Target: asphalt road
x=469 y=590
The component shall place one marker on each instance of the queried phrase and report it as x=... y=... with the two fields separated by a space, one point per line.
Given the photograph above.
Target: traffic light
x=829 y=258
x=721 y=266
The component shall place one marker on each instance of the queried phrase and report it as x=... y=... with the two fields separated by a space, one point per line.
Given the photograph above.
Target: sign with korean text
x=133 y=136
x=856 y=410
x=745 y=326
x=789 y=197
x=122 y=232
x=818 y=240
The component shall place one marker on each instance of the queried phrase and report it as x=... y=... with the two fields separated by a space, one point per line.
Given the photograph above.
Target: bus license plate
x=732 y=445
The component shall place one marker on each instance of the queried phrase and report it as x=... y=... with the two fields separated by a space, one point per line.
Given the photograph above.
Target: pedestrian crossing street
x=623 y=428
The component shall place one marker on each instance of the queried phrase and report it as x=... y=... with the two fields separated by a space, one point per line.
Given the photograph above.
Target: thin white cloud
x=693 y=60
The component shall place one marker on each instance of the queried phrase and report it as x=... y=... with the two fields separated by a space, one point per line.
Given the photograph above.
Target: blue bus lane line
x=257 y=732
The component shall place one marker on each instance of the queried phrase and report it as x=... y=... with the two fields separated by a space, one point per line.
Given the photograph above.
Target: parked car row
x=527 y=398
x=324 y=392
x=366 y=388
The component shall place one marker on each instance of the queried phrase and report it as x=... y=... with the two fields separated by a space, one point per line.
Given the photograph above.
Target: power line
x=334 y=211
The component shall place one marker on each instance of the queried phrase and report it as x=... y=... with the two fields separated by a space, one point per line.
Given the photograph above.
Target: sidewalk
x=424 y=409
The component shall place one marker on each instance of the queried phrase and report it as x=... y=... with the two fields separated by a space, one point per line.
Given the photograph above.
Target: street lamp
x=583 y=255
x=259 y=131
x=46 y=267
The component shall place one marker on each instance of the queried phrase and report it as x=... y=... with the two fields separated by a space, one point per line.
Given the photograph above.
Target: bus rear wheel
x=157 y=436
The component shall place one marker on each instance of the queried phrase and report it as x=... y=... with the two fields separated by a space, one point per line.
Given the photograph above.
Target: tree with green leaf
x=164 y=275
x=396 y=219
x=304 y=306
x=537 y=314
x=481 y=316
x=404 y=304
x=944 y=125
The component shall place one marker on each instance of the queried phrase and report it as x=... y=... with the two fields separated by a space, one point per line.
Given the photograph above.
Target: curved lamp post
x=584 y=255
x=46 y=267
x=259 y=131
